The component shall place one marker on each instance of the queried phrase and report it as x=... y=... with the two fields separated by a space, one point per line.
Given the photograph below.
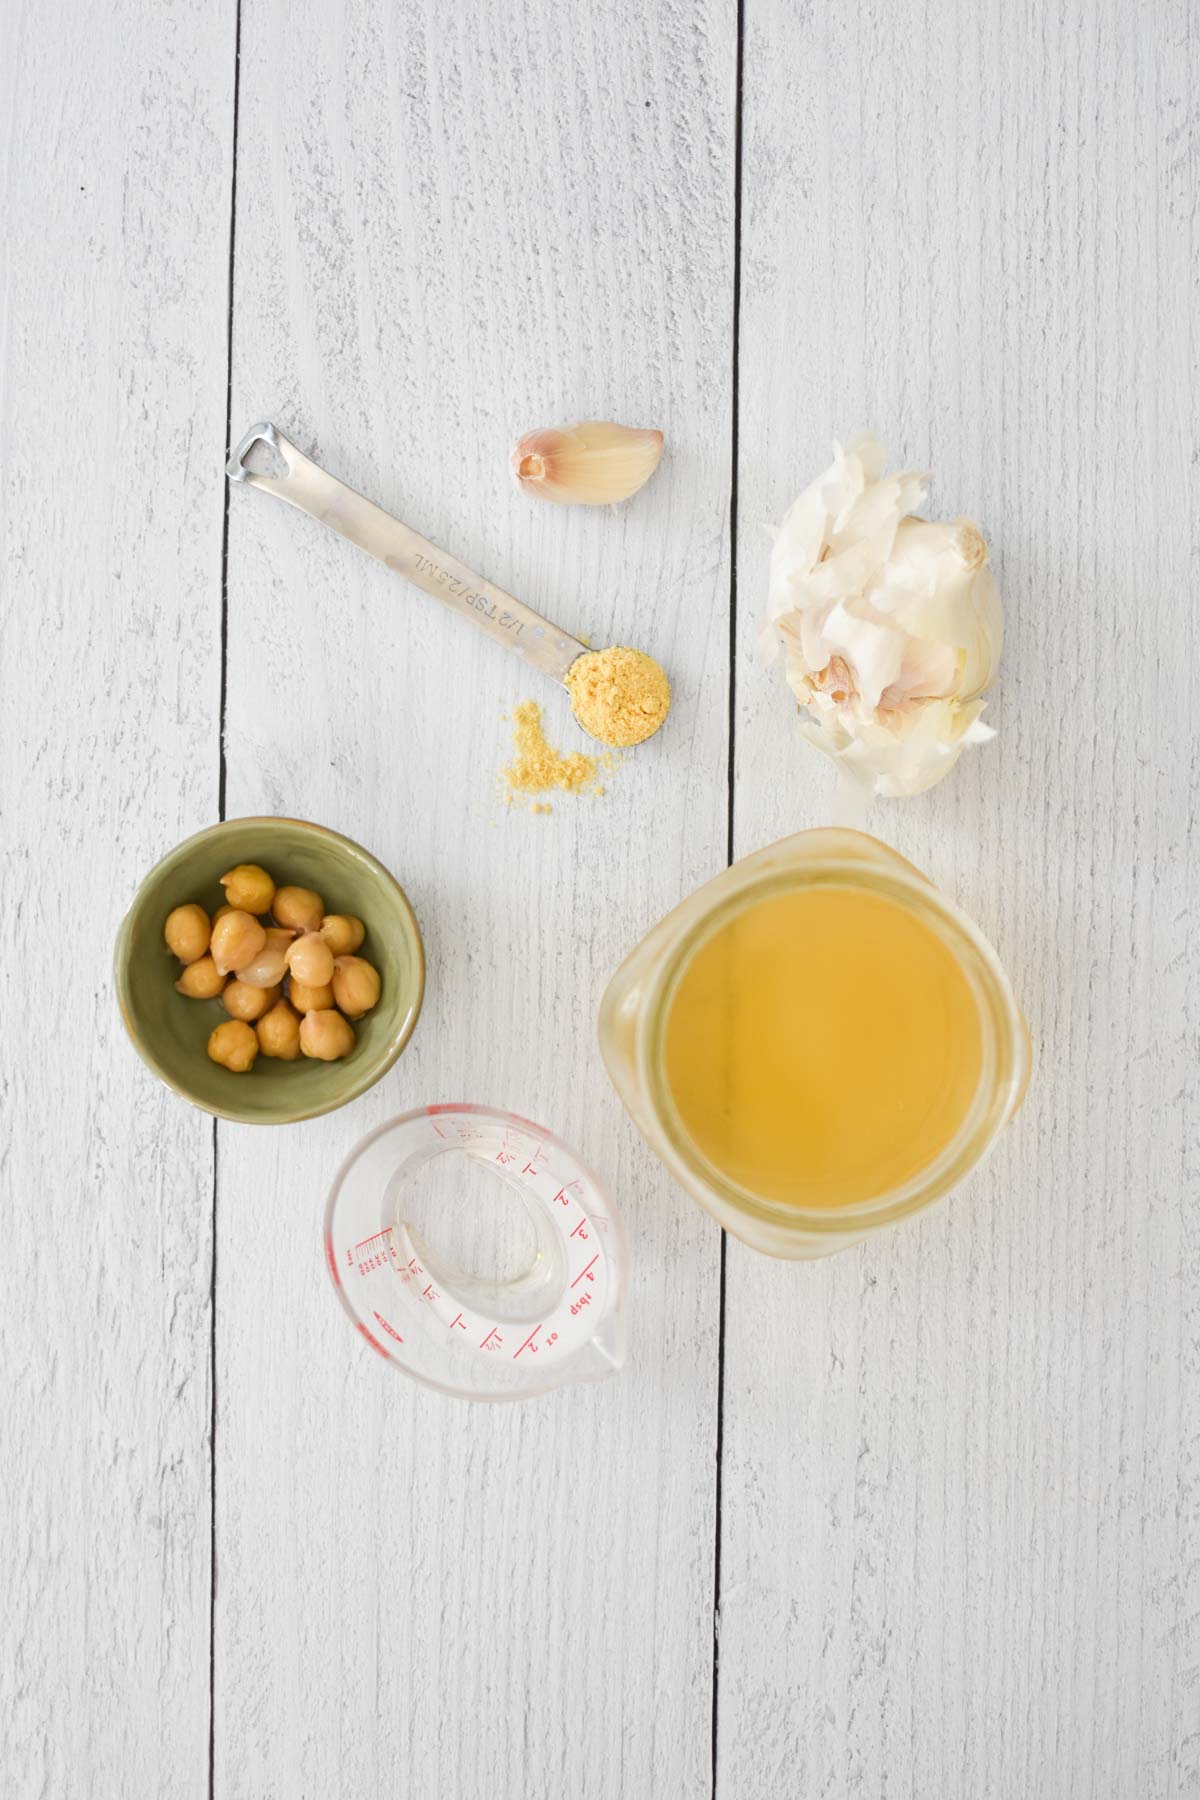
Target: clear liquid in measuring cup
x=475 y=1251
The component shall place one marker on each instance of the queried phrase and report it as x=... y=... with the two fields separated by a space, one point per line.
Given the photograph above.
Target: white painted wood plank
x=115 y=162
x=960 y=1542
x=454 y=225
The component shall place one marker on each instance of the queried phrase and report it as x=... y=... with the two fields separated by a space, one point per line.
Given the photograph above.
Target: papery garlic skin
x=891 y=624
x=590 y=464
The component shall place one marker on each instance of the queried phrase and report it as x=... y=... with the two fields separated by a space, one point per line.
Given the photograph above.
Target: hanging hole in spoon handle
x=303 y=484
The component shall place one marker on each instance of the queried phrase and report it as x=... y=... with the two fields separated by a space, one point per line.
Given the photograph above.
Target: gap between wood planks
x=729 y=838
x=221 y=782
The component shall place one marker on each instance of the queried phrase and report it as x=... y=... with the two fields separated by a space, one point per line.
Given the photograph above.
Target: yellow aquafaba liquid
x=822 y=1046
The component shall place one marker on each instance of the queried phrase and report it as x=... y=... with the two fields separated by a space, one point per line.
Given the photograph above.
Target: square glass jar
x=637 y=1003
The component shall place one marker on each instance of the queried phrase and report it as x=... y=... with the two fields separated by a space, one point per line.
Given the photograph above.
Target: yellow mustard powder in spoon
x=621 y=696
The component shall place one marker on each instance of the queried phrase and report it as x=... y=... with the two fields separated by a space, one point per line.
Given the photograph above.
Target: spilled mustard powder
x=621 y=696
x=537 y=765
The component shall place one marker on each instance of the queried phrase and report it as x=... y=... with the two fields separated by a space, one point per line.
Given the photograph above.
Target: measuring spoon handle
x=539 y=643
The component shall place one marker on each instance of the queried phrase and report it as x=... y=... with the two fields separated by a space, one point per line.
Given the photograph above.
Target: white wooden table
x=919 y=1521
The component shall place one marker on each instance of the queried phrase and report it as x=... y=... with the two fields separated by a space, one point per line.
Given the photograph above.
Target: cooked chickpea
x=298 y=907
x=236 y=940
x=355 y=985
x=241 y=1001
x=310 y=960
x=270 y=965
x=261 y=937
x=249 y=888
x=201 y=980
x=307 y=999
x=343 y=933
x=234 y=1045
x=279 y=1033
x=187 y=932
x=326 y=1036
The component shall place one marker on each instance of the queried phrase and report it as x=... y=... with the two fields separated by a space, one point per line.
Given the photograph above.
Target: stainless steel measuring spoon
x=540 y=643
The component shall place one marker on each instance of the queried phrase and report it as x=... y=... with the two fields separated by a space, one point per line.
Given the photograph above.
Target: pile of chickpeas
x=283 y=968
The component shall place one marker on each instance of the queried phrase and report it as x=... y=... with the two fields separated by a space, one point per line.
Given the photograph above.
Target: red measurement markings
x=415 y=1266
x=505 y=1156
x=528 y=1341
x=389 y=1329
x=372 y=1340
x=580 y=1230
x=430 y=1293
x=457 y=1321
x=584 y=1300
x=492 y=1341
x=369 y=1260
x=386 y=1232
x=584 y=1272
x=530 y=1168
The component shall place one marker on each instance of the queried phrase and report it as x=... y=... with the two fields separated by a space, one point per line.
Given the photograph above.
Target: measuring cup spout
x=606 y=1352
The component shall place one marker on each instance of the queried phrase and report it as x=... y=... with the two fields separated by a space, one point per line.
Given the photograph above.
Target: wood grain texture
x=115 y=164
x=454 y=225
x=959 y=1546
x=960 y=1552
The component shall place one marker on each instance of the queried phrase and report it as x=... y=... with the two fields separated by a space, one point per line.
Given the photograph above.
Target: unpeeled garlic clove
x=589 y=464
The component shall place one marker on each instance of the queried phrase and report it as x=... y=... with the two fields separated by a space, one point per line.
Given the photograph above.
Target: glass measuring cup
x=473 y=1250
x=636 y=1004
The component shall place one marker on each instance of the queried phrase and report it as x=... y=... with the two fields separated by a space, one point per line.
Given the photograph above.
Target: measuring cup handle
x=323 y=497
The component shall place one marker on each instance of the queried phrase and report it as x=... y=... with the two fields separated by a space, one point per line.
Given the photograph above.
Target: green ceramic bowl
x=170 y=1033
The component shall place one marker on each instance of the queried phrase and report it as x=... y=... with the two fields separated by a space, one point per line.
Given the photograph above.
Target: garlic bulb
x=891 y=624
x=591 y=464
